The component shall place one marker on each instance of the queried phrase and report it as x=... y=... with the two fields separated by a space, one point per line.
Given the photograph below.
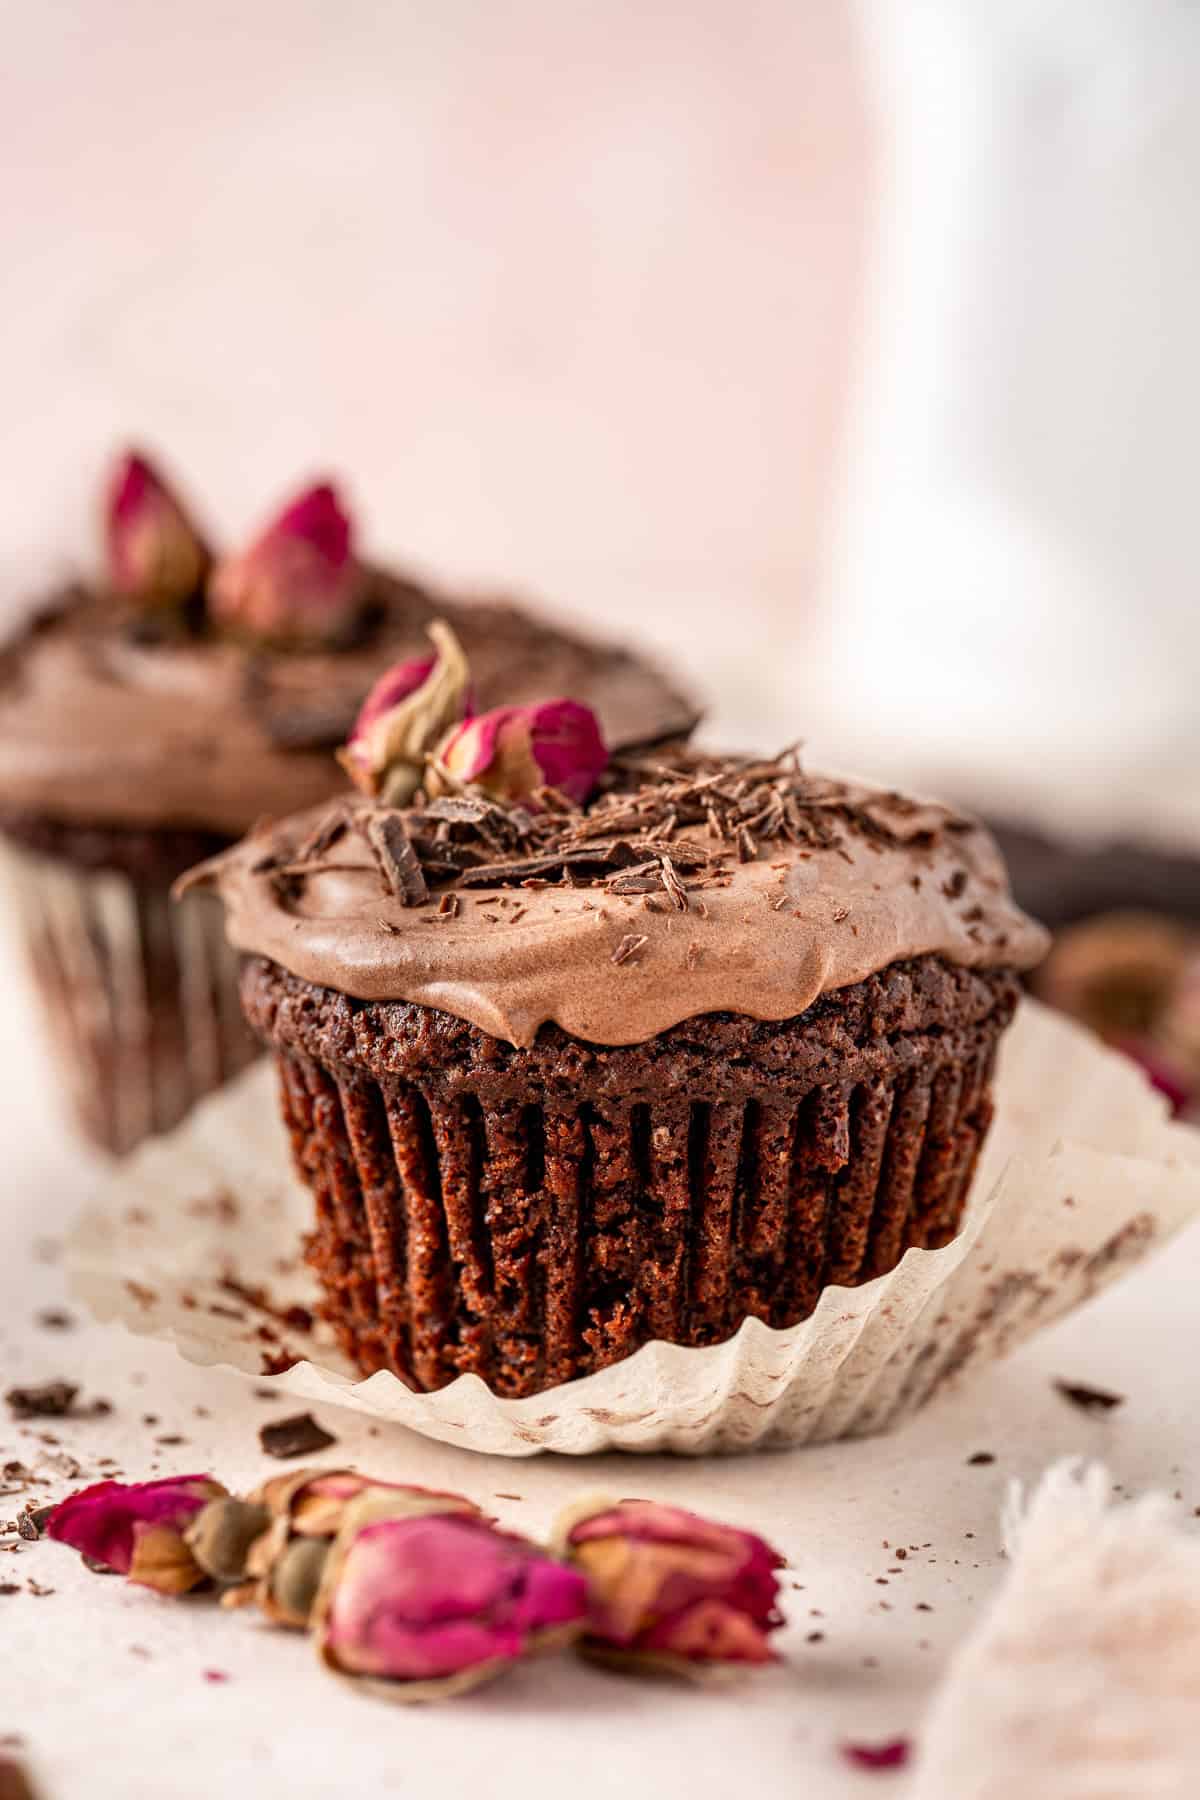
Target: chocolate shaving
x=298 y=1436
x=633 y=838
x=1088 y=1399
x=394 y=855
x=629 y=946
x=323 y=836
x=673 y=885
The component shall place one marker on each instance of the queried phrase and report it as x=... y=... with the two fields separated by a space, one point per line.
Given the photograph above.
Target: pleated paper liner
x=139 y=993
x=196 y=1239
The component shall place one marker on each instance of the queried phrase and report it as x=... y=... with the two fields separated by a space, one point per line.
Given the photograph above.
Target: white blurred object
x=1083 y=1681
x=1013 y=609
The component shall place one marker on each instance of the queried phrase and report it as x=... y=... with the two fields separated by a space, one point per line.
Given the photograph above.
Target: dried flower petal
x=299 y=582
x=894 y=1754
x=438 y=1604
x=408 y=712
x=672 y=1588
x=514 y=751
x=156 y=556
x=138 y=1528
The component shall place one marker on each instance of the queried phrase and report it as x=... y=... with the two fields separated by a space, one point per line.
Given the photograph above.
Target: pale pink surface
x=421 y=1598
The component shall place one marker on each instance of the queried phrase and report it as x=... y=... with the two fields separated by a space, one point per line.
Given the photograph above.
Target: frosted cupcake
x=579 y=1051
x=151 y=714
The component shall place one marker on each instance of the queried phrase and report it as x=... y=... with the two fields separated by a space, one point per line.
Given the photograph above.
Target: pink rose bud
x=669 y=1587
x=297 y=583
x=301 y=1514
x=407 y=712
x=138 y=1529
x=514 y=751
x=156 y=556
x=441 y=1603
x=1163 y=1073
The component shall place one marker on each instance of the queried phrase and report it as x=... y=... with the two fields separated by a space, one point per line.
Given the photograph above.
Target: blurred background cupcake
x=153 y=712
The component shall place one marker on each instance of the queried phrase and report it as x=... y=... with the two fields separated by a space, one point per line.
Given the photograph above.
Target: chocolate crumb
x=51 y=1400
x=1088 y=1399
x=629 y=946
x=980 y=1458
x=53 y=1318
x=299 y=1435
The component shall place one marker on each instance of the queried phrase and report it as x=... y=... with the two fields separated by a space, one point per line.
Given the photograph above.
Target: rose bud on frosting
x=138 y=1528
x=156 y=556
x=407 y=712
x=515 y=751
x=669 y=1588
x=297 y=583
x=438 y=1604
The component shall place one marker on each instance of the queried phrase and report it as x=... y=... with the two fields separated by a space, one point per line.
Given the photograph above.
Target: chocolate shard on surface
x=1088 y=1399
x=299 y=1435
x=50 y=1400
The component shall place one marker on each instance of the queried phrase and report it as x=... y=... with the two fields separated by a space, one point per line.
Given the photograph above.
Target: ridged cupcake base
x=534 y=1215
x=139 y=993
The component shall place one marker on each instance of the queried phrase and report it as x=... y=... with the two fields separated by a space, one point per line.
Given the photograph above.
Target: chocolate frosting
x=102 y=724
x=835 y=884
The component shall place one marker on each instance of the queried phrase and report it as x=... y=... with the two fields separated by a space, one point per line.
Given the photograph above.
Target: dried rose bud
x=1117 y=972
x=304 y=1512
x=156 y=556
x=297 y=583
x=515 y=751
x=407 y=712
x=439 y=1604
x=1177 y=1085
x=669 y=1588
x=138 y=1528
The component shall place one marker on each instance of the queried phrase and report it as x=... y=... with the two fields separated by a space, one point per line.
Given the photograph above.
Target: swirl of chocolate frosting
x=108 y=718
x=688 y=885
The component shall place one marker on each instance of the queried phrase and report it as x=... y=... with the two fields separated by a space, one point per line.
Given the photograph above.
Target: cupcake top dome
x=184 y=688
x=528 y=876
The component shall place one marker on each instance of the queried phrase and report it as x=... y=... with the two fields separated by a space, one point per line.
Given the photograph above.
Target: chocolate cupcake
x=684 y=1040
x=149 y=717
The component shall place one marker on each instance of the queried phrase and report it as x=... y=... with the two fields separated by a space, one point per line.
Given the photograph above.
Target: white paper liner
x=1081 y=1175
x=139 y=993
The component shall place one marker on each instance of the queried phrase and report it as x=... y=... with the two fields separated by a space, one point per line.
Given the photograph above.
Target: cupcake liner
x=139 y=993
x=197 y=1239
x=529 y=1242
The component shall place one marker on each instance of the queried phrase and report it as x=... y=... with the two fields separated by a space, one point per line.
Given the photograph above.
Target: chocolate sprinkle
x=299 y=1435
